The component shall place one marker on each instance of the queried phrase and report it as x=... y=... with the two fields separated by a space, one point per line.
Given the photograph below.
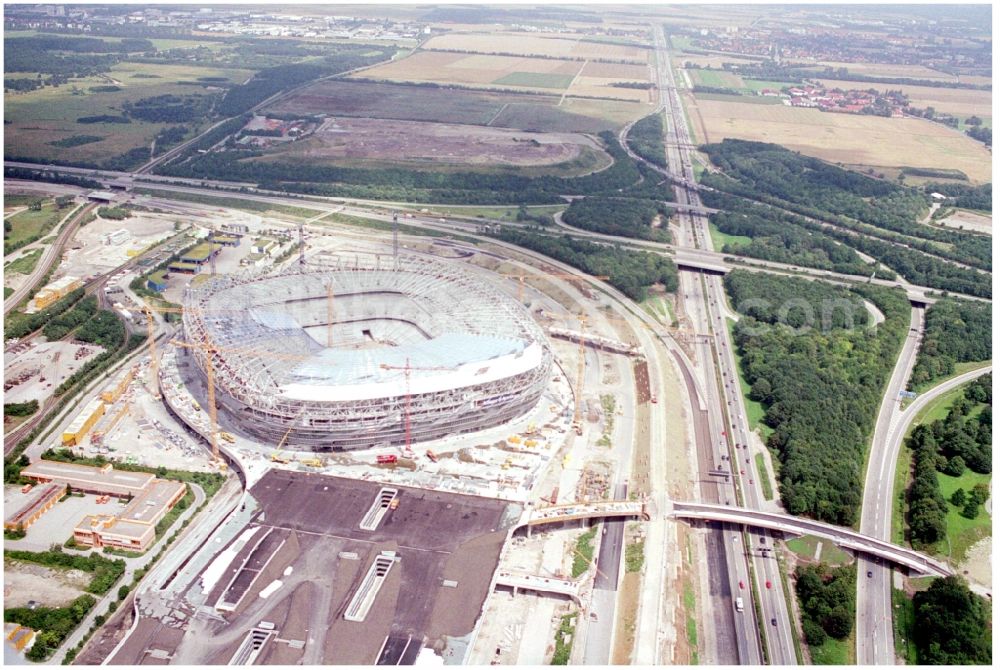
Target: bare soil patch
x=48 y=587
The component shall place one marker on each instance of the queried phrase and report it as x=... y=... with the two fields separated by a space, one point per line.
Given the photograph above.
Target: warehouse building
x=83 y=422
x=44 y=499
x=47 y=295
x=89 y=479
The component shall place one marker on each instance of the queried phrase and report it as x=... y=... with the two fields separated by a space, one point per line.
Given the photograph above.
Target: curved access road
x=874 y=595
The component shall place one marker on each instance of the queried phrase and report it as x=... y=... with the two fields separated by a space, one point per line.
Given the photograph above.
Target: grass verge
x=765 y=480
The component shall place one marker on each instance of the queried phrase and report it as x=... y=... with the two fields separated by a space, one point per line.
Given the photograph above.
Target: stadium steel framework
x=407 y=333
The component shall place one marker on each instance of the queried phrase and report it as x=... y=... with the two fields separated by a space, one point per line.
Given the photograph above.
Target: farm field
x=416 y=144
x=714 y=78
x=846 y=138
x=548 y=75
x=958 y=101
x=50 y=114
x=533 y=45
x=885 y=70
x=528 y=111
x=704 y=60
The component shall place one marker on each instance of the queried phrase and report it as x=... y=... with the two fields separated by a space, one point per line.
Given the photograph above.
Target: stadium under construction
x=360 y=351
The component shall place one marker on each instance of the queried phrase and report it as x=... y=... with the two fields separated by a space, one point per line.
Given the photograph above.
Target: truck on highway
x=739 y=604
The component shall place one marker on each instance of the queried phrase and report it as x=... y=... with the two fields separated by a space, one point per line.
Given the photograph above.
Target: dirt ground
x=47 y=586
x=970 y=221
x=532 y=45
x=43 y=367
x=978 y=565
x=413 y=141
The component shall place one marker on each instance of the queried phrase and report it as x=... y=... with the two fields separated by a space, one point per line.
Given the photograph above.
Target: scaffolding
x=286 y=363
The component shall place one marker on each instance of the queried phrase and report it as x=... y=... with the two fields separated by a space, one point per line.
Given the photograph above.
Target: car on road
x=742 y=471
x=768 y=583
x=774 y=622
x=741 y=585
x=869 y=574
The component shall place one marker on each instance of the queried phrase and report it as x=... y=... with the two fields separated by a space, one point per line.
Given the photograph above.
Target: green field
x=50 y=113
x=715 y=79
x=834 y=652
x=962 y=532
x=499 y=213
x=960 y=368
x=765 y=481
x=32 y=224
x=720 y=239
x=805 y=547
x=760 y=84
x=535 y=79
x=904 y=620
x=25 y=264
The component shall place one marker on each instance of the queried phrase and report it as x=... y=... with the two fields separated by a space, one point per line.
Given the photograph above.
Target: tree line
x=827 y=598
x=952 y=625
x=646 y=139
x=619 y=216
x=631 y=272
x=821 y=391
x=955 y=331
x=950 y=445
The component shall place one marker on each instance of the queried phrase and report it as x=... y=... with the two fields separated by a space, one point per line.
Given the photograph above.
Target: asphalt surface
x=707 y=298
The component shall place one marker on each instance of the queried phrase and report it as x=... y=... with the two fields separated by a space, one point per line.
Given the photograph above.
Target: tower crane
x=407 y=369
x=558 y=275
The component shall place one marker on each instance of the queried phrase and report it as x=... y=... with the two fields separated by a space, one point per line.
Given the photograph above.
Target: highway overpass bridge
x=844 y=537
x=527 y=582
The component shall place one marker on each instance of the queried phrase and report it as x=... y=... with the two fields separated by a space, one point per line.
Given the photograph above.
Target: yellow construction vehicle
x=228 y=437
x=312 y=462
x=278 y=457
x=531 y=443
x=514 y=439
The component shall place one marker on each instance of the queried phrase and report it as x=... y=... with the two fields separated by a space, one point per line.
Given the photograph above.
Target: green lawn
x=584 y=554
x=834 y=652
x=24 y=265
x=904 y=620
x=962 y=532
x=535 y=79
x=720 y=239
x=805 y=547
x=28 y=224
x=7 y=291
x=765 y=481
x=901 y=482
x=760 y=84
x=715 y=79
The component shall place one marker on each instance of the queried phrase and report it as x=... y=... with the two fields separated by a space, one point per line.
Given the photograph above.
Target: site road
x=704 y=300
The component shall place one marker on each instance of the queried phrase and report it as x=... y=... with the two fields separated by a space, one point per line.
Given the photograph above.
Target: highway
x=874 y=594
x=704 y=300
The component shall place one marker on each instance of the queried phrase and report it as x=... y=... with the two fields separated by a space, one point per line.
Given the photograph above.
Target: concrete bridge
x=605 y=509
x=524 y=581
x=844 y=537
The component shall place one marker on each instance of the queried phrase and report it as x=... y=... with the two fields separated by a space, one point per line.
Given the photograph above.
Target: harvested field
x=619 y=71
x=533 y=45
x=617 y=112
x=958 y=101
x=846 y=138
x=538 y=74
x=969 y=221
x=409 y=142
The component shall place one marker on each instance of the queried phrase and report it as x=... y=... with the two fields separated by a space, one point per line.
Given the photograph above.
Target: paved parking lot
x=56 y=525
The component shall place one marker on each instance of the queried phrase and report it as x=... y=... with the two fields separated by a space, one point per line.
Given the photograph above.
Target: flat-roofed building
x=154 y=502
x=43 y=499
x=89 y=479
x=100 y=530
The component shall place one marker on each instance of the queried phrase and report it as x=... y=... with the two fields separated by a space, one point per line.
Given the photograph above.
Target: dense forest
x=965 y=195
x=646 y=139
x=619 y=216
x=827 y=598
x=955 y=331
x=631 y=272
x=952 y=625
x=845 y=199
x=950 y=445
x=797 y=303
x=821 y=389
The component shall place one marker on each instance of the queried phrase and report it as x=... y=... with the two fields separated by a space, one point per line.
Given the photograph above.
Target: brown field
x=350 y=141
x=959 y=101
x=619 y=113
x=534 y=45
x=529 y=74
x=618 y=71
x=846 y=138
x=445 y=68
x=887 y=70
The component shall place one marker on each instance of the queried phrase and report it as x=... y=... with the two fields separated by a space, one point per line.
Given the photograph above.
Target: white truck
x=739 y=604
